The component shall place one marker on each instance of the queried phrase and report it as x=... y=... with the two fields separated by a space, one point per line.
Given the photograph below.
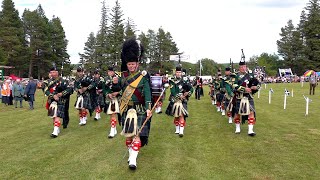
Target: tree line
x=103 y=49
x=299 y=45
x=33 y=43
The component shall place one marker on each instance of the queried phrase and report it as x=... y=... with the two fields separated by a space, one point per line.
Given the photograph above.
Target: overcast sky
x=215 y=29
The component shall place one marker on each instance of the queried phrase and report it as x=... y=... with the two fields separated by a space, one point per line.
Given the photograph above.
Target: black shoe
x=53 y=136
x=252 y=134
x=65 y=127
x=160 y=112
x=180 y=135
x=95 y=119
x=132 y=167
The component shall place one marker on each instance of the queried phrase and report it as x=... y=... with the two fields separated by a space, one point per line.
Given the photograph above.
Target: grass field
x=287 y=144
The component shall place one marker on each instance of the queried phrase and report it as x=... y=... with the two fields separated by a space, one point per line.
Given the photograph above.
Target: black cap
x=110 y=68
x=53 y=69
x=96 y=72
x=242 y=62
x=79 y=69
x=227 y=68
x=178 y=68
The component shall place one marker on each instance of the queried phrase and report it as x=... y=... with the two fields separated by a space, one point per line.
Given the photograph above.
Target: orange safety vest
x=5 y=90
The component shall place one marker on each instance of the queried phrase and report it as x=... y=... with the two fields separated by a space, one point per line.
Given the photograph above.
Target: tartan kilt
x=86 y=101
x=220 y=97
x=142 y=115
x=169 y=110
x=100 y=100
x=61 y=106
x=252 y=108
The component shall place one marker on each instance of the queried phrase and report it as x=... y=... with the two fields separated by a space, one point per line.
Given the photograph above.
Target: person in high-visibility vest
x=5 y=92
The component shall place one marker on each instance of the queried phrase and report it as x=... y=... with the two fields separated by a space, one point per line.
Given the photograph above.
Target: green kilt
x=100 y=100
x=87 y=104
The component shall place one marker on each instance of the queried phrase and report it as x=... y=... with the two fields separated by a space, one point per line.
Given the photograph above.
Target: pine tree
x=290 y=46
x=12 y=39
x=311 y=29
x=38 y=29
x=102 y=44
x=116 y=33
x=130 y=29
x=87 y=59
x=59 y=46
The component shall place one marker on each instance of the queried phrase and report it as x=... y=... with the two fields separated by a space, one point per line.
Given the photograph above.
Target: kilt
x=142 y=115
x=87 y=104
x=251 y=102
x=100 y=100
x=220 y=97
x=170 y=108
x=61 y=108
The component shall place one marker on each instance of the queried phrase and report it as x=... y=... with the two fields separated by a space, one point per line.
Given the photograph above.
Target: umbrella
x=308 y=73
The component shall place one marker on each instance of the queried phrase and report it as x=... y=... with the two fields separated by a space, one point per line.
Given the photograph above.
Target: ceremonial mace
x=146 y=120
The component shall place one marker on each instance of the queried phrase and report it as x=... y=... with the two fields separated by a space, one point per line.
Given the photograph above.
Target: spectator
x=313 y=82
x=17 y=93
x=5 y=92
x=30 y=91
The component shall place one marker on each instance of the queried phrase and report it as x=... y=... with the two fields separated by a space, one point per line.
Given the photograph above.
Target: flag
x=271 y=90
x=286 y=92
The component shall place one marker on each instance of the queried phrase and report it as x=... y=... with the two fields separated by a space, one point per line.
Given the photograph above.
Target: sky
x=214 y=29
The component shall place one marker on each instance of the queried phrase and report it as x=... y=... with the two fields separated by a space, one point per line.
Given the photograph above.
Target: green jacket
x=17 y=90
x=142 y=93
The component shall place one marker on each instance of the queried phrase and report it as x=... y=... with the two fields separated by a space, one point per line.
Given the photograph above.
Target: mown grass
x=286 y=146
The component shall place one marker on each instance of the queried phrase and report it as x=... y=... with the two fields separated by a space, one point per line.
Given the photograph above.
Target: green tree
x=59 y=46
x=12 y=39
x=116 y=33
x=209 y=67
x=130 y=29
x=3 y=57
x=87 y=59
x=101 y=46
x=290 y=46
x=311 y=30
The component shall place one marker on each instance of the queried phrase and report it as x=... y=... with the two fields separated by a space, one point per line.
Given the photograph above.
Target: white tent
x=285 y=72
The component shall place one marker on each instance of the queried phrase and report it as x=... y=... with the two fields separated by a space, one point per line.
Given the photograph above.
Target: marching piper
x=180 y=91
x=135 y=102
x=245 y=87
x=58 y=91
x=112 y=94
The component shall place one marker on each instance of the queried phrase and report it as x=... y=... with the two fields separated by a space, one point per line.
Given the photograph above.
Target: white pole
x=292 y=93
x=307 y=106
x=265 y=85
x=269 y=97
x=285 y=101
x=258 y=93
x=200 y=66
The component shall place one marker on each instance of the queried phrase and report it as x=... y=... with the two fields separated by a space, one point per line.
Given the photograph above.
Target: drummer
x=157 y=86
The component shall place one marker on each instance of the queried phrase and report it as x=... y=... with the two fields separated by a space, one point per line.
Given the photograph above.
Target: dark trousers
x=198 y=93
x=66 y=113
x=312 y=88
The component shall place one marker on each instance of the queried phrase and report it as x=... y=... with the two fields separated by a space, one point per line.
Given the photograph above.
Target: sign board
x=176 y=57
